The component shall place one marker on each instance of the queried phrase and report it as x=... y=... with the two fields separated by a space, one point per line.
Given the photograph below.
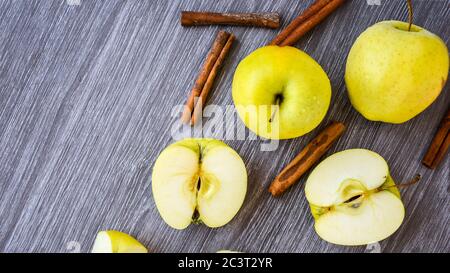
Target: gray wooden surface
x=86 y=94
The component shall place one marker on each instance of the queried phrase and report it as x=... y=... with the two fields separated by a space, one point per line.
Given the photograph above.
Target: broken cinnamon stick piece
x=311 y=10
x=208 y=72
x=312 y=16
x=439 y=145
x=266 y=19
x=306 y=158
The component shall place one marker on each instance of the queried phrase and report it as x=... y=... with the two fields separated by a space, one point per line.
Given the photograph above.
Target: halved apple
x=199 y=180
x=353 y=199
x=112 y=241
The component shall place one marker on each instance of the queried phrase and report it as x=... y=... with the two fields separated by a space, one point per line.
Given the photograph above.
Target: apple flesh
x=285 y=77
x=353 y=199
x=200 y=180
x=112 y=241
x=393 y=74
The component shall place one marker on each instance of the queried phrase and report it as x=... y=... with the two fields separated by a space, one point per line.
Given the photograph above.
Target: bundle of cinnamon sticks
x=216 y=56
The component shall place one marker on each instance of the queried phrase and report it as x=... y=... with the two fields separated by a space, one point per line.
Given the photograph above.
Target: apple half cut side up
x=198 y=180
x=353 y=199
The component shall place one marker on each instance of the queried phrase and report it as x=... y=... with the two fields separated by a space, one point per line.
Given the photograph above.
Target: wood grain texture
x=86 y=94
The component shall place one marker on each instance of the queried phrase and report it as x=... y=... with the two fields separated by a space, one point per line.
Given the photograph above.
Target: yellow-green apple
x=393 y=74
x=112 y=241
x=198 y=180
x=353 y=199
x=285 y=77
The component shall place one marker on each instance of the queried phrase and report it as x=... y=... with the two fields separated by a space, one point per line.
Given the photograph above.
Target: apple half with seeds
x=198 y=180
x=353 y=199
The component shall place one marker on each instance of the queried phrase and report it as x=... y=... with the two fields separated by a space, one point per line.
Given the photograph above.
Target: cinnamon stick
x=306 y=158
x=311 y=17
x=267 y=19
x=439 y=145
x=210 y=80
x=208 y=72
x=311 y=10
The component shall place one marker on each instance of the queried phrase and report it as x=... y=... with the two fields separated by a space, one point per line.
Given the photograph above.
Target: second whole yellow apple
x=393 y=73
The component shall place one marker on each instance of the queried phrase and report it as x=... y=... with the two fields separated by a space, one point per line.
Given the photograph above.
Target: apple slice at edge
x=112 y=241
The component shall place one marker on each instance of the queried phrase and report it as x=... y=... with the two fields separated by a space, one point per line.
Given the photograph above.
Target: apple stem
x=277 y=102
x=410 y=14
x=200 y=153
x=413 y=181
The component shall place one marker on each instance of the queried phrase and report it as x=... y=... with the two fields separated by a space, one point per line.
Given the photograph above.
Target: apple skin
x=288 y=72
x=392 y=75
x=198 y=178
x=112 y=241
x=353 y=199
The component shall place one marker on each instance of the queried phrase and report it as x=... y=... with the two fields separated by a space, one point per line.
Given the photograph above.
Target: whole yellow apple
x=393 y=74
x=285 y=77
